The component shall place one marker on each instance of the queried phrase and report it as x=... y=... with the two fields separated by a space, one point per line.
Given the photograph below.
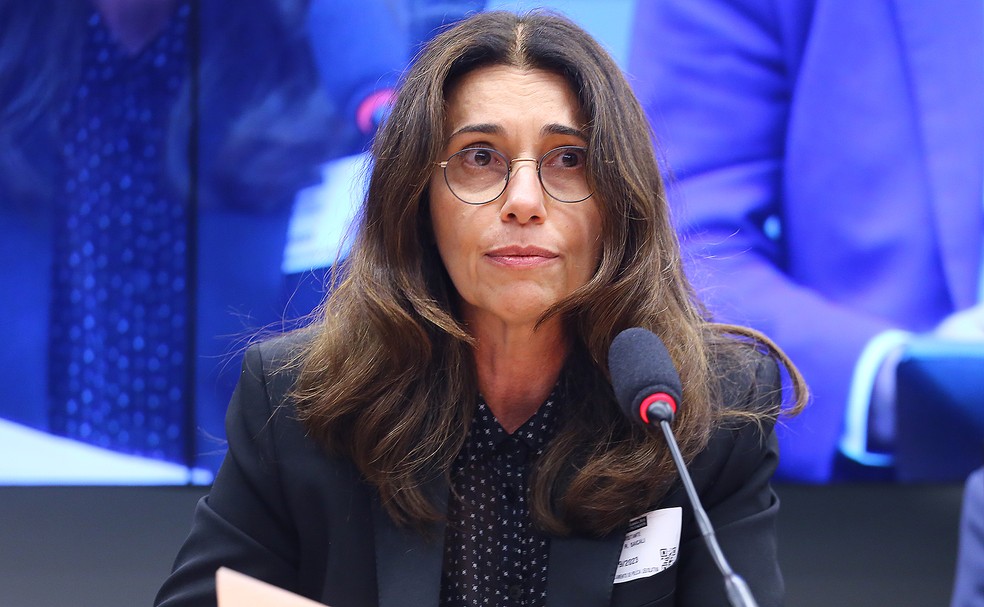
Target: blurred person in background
x=826 y=163
x=149 y=158
x=968 y=588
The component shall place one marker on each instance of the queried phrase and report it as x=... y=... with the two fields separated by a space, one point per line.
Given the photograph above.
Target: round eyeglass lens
x=564 y=173
x=477 y=175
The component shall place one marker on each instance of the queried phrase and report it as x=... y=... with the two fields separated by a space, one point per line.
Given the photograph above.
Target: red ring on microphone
x=655 y=398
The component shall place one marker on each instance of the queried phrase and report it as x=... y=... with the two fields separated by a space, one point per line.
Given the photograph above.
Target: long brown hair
x=389 y=379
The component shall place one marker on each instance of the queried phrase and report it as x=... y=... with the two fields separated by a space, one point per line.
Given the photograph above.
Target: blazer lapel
x=944 y=45
x=408 y=563
x=581 y=571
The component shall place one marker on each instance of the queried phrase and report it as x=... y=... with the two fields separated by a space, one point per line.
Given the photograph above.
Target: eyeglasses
x=480 y=175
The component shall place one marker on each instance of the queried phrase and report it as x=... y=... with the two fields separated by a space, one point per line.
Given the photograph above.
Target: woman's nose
x=524 y=195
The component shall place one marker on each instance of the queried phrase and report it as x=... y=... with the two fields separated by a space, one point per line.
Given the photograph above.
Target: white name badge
x=651 y=544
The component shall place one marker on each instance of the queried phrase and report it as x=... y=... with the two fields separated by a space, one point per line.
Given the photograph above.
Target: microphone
x=647 y=387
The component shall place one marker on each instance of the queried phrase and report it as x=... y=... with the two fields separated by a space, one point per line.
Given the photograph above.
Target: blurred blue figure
x=149 y=158
x=828 y=190
x=968 y=589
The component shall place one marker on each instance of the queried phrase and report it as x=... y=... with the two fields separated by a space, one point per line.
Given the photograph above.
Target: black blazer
x=285 y=512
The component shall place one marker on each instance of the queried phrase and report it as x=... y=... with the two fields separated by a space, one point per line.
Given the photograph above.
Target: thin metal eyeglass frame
x=505 y=183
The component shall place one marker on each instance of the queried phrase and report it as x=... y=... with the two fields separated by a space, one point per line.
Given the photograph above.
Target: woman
x=447 y=434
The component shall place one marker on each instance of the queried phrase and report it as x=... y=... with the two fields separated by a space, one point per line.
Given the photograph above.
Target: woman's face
x=514 y=257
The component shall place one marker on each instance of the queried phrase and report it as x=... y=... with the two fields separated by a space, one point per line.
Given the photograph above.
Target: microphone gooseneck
x=647 y=387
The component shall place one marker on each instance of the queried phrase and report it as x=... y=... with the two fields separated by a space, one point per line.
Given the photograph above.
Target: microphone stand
x=739 y=595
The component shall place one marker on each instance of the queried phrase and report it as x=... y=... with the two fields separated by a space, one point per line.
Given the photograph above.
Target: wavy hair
x=389 y=380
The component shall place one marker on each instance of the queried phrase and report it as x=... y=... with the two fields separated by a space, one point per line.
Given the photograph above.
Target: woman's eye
x=566 y=158
x=479 y=157
x=571 y=158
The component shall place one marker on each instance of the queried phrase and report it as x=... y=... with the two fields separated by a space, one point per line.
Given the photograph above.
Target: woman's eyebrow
x=562 y=129
x=483 y=128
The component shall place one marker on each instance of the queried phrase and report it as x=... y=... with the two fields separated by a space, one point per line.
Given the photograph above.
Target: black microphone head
x=641 y=367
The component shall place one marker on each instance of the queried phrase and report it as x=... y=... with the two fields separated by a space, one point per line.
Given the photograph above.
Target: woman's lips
x=521 y=256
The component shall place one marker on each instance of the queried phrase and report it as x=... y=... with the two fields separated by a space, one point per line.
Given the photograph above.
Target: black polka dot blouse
x=492 y=553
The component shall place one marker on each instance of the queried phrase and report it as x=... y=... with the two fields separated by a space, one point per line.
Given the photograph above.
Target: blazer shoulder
x=743 y=443
x=280 y=351
x=746 y=381
x=276 y=362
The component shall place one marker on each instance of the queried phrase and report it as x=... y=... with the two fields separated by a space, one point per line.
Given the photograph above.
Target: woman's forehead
x=495 y=98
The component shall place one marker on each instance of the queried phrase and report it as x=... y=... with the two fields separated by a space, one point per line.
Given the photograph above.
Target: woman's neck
x=518 y=368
